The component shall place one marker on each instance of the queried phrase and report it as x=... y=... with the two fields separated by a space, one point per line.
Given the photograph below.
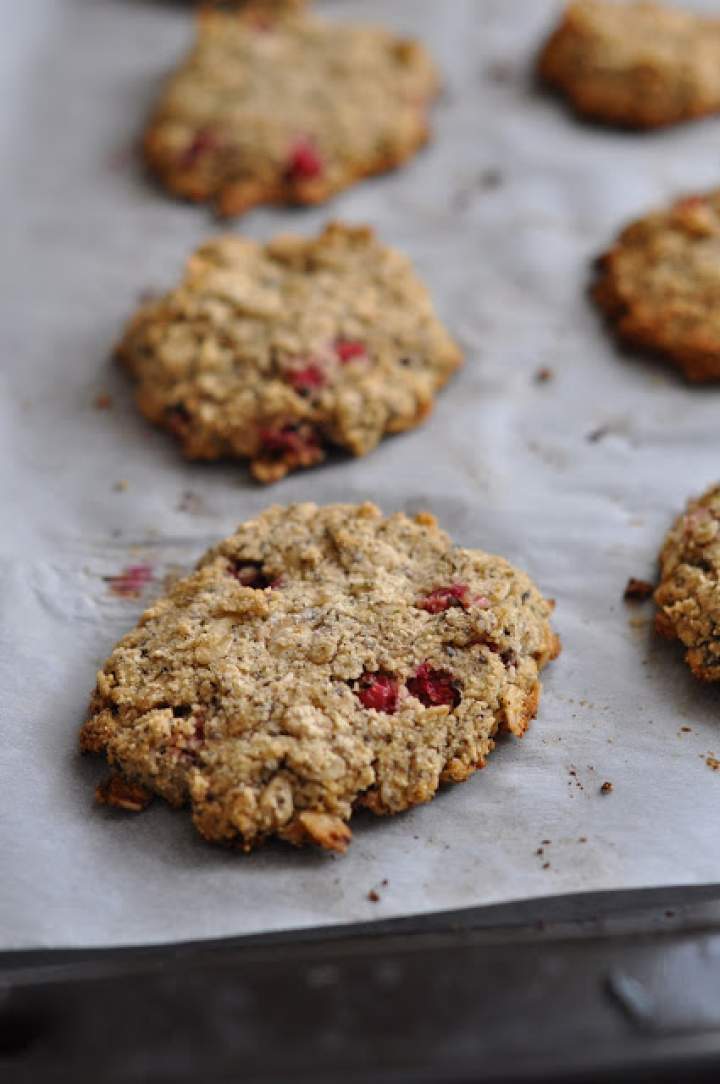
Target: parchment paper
x=575 y=480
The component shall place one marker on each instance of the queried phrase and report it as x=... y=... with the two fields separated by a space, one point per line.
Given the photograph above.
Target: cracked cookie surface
x=660 y=284
x=274 y=105
x=319 y=659
x=688 y=598
x=274 y=353
x=640 y=65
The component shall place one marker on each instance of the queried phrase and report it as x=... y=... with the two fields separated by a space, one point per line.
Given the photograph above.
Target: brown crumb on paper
x=637 y=590
x=712 y=762
x=596 y=435
x=607 y=787
x=373 y=895
x=192 y=503
x=544 y=375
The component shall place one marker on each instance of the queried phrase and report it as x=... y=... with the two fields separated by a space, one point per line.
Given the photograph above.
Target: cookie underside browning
x=276 y=106
x=639 y=65
x=660 y=284
x=276 y=353
x=688 y=598
x=318 y=660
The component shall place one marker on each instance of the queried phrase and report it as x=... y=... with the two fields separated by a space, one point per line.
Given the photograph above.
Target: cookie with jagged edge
x=275 y=105
x=320 y=659
x=688 y=597
x=275 y=353
x=638 y=65
x=659 y=284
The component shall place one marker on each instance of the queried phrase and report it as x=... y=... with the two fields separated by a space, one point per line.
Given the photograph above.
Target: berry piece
x=122 y=794
x=304 y=161
x=203 y=142
x=433 y=687
x=131 y=581
x=308 y=379
x=347 y=349
x=442 y=598
x=294 y=440
x=378 y=691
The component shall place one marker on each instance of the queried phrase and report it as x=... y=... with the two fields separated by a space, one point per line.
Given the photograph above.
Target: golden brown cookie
x=688 y=598
x=640 y=65
x=660 y=284
x=274 y=105
x=276 y=352
x=319 y=659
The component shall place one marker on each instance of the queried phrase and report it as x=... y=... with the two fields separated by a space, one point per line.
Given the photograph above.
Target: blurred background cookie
x=660 y=284
x=274 y=105
x=638 y=64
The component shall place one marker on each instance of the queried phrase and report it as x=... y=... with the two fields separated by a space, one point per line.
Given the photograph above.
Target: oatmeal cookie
x=660 y=284
x=688 y=598
x=274 y=105
x=640 y=65
x=319 y=659
x=275 y=352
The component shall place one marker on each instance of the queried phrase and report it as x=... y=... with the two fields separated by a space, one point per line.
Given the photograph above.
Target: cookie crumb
x=637 y=590
x=712 y=762
x=607 y=787
x=192 y=503
x=500 y=71
x=373 y=896
x=582 y=839
x=544 y=375
x=546 y=865
x=596 y=435
x=686 y=729
x=102 y=401
x=489 y=179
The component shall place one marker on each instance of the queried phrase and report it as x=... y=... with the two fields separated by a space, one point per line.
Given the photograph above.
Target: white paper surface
x=504 y=462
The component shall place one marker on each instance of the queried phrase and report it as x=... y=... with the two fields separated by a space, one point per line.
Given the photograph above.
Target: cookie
x=318 y=660
x=639 y=65
x=659 y=284
x=274 y=105
x=688 y=598
x=276 y=353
